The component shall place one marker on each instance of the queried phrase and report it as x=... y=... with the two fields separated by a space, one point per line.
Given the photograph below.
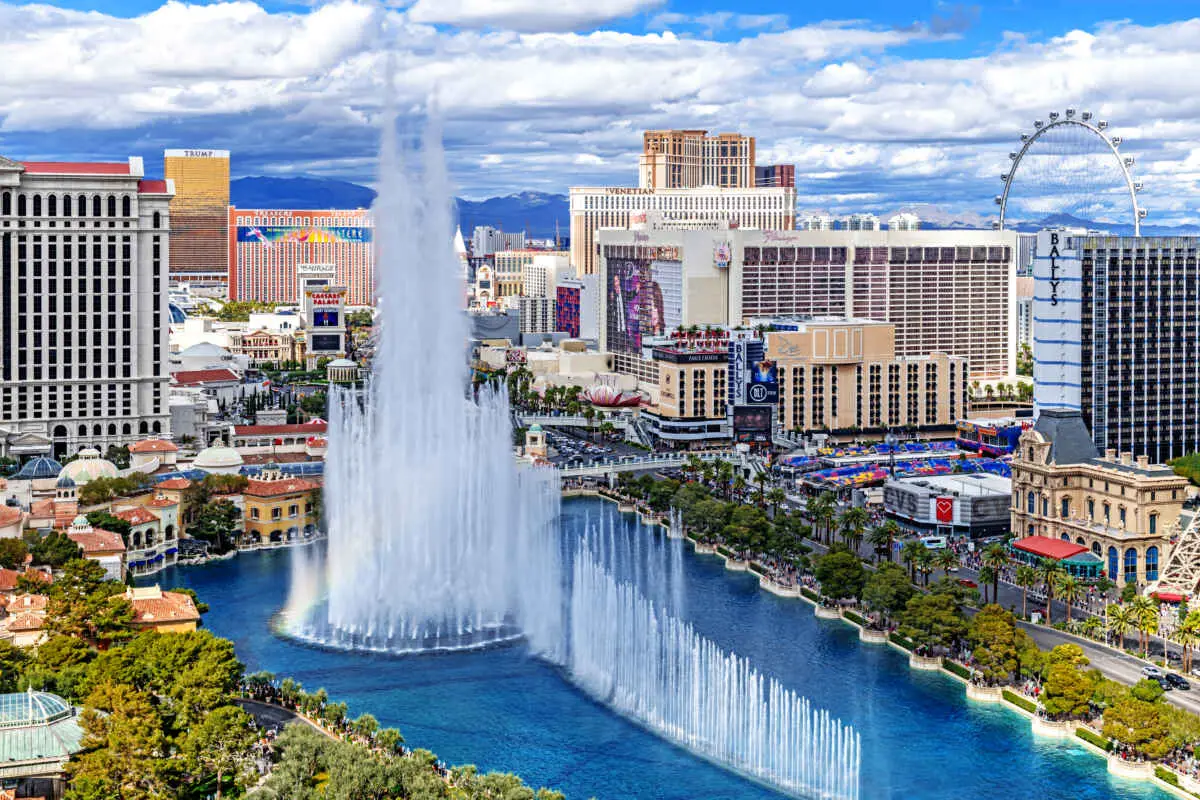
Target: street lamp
x=891 y=439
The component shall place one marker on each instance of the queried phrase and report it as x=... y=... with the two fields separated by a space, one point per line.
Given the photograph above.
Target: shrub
x=1019 y=702
x=810 y=594
x=900 y=640
x=756 y=567
x=1164 y=774
x=1092 y=738
x=957 y=669
x=855 y=618
x=725 y=551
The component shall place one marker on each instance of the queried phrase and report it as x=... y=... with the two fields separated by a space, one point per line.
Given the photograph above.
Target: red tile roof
x=1045 y=547
x=41 y=509
x=26 y=622
x=153 y=446
x=136 y=516
x=152 y=187
x=27 y=602
x=8 y=577
x=76 y=168
x=175 y=483
x=98 y=542
x=163 y=502
x=277 y=430
x=257 y=488
x=199 y=376
x=9 y=515
x=167 y=607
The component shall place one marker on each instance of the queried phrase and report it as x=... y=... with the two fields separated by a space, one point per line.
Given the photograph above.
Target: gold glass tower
x=199 y=213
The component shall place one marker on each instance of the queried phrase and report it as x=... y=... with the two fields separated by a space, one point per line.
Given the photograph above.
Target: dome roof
x=201 y=349
x=80 y=522
x=89 y=466
x=341 y=362
x=39 y=468
x=65 y=482
x=535 y=428
x=31 y=708
x=218 y=456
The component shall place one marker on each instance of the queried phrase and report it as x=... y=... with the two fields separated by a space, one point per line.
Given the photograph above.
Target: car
x=1153 y=673
x=968 y=583
x=1178 y=681
x=1164 y=683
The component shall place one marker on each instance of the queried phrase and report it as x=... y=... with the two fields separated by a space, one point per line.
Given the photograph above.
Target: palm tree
x=821 y=511
x=881 y=537
x=1069 y=590
x=776 y=497
x=693 y=466
x=995 y=557
x=724 y=476
x=946 y=560
x=925 y=564
x=986 y=574
x=1049 y=571
x=1145 y=616
x=910 y=555
x=1091 y=627
x=853 y=523
x=760 y=480
x=738 y=485
x=1188 y=636
x=1026 y=576
x=1121 y=619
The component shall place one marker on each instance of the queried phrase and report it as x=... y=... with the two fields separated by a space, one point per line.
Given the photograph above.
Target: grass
x=1091 y=738
x=1164 y=774
x=855 y=618
x=900 y=640
x=810 y=594
x=1019 y=702
x=957 y=669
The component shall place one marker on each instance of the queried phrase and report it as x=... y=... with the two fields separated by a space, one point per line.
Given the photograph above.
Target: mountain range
x=541 y=215
x=537 y=213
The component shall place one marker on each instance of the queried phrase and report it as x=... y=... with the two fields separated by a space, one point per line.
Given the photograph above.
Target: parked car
x=1178 y=681
x=1152 y=672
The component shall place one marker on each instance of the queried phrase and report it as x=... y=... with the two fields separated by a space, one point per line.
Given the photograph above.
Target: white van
x=935 y=542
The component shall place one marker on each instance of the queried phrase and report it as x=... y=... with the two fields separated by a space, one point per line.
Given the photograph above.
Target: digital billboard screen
x=643 y=299
x=763 y=386
x=326 y=342
x=752 y=424
x=325 y=319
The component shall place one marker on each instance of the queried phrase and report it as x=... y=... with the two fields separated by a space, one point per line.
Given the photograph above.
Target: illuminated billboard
x=325 y=343
x=752 y=424
x=763 y=386
x=643 y=299
x=301 y=234
x=325 y=319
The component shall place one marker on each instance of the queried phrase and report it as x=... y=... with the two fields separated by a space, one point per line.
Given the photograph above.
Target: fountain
x=436 y=540
x=645 y=663
x=439 y=542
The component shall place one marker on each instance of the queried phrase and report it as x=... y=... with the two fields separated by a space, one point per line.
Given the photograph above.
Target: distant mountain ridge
x=534 y=212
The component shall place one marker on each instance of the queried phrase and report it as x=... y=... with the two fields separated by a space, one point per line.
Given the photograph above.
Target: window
x=1151 y=563
x=254 y=513
x=293 y=510
x=1153 y=528
x=1112 y=564
x=1131 y=559
x=276 y=513
x=1031 y=503
x=1029 y=456
x=1107 y=516
x=1045 y=506
x=1121 y=515
x=1066 y=508
x=1091 y=509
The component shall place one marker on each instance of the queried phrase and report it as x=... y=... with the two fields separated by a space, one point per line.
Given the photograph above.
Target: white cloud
x=527 y=15
x=837 y=80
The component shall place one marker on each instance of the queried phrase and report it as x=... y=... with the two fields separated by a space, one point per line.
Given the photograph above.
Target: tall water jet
x=635 y=657
x=436 y=539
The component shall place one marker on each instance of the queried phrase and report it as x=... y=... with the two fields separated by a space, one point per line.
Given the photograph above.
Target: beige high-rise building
x=691 y=159
x=844 y=376
x=199 y=214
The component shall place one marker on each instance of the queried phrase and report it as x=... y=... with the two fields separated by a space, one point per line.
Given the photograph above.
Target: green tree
x=55 y=549
x=996 y=557
x=1121 y=620
x=1069 y=589
x=910 y=554
x=881 y=538
x=222 y=746
x=85 y=604
x=887 y=590
x=853 y=524
x=216 y=522
x=932 y=620
x=107 y=522
x=1067 y=690
x=1145 y=617
x=1025 y=576
x=841 y=574
x=1139 y=725
x=1049 y=572
x=821 y=510
x=992 y=634
x=124 y=747
x=12 y=553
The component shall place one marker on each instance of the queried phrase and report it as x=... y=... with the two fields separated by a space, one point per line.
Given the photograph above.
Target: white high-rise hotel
x=83 y=305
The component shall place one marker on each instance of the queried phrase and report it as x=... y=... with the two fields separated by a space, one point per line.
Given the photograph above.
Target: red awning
x=1169 y=597
x=1045 y=547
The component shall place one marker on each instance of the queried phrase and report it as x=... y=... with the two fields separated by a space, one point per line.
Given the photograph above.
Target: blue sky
x=881 y=105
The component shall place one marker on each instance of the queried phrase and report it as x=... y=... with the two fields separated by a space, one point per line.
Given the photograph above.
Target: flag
x=945 y=509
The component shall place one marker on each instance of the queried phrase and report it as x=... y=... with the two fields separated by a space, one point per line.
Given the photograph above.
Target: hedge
x=900 y=640
x=1019 y=702
x=957 y=669
x=1091 y=738
x=1164 y=774
x=855 y=618
x=810 y=594
x=725 y=551
x=756 y=567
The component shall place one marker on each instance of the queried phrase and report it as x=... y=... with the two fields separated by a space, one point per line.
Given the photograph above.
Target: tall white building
x=903 y=221
x=594 y=208
x=541 y=275
x=486 y=240
x=84 y=257
x=860 y=222
x=815 y=222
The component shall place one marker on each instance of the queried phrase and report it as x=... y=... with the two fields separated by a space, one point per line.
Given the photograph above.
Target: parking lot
x=567 y=448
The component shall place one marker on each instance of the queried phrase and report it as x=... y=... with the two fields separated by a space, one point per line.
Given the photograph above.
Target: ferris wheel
x=1071 y=167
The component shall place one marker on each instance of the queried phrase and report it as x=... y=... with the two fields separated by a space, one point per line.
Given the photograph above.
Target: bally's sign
x=1054 y=268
